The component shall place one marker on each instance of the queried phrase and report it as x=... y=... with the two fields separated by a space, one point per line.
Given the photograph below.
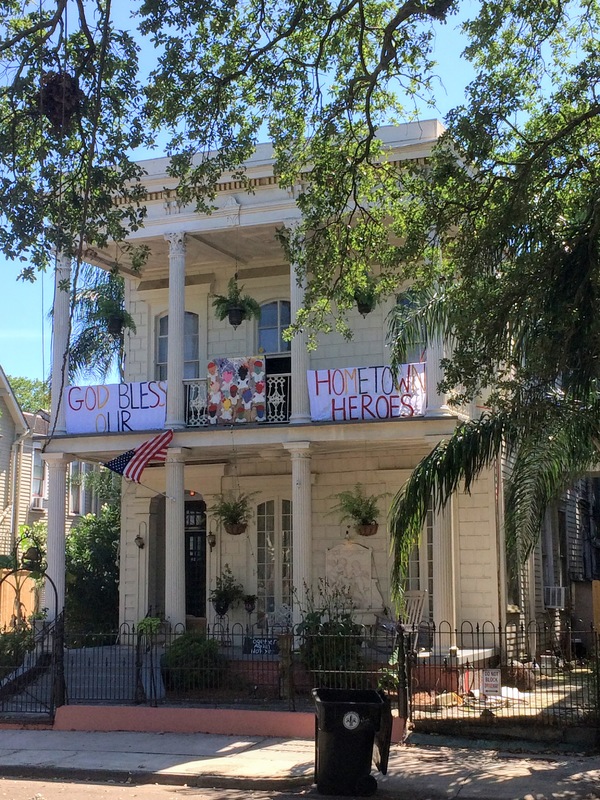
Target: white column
x=301 y=524
x=444 y=577
x=436 y=401
x=55 y=557
x=175 y=390
x=60 y=341
x=175 y=537
x=299 y=356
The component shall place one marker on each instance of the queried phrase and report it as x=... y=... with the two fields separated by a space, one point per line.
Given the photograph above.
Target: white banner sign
x=116 y=407
x=363 y=393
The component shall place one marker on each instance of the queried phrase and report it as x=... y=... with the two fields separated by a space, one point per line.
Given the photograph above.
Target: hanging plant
x=228 y=592
x=359 y=508
x=233 y=511
x=100 y=322
x=249 y=601
x=366 y=296
x=234 y=305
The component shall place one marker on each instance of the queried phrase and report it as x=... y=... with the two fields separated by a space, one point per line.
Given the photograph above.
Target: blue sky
x=25 y=335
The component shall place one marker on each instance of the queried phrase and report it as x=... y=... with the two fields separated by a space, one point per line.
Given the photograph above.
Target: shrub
x=331 y=639
x=14 y=645
x=194 y=662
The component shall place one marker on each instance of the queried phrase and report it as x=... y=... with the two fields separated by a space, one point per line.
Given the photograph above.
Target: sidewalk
x=416 y=772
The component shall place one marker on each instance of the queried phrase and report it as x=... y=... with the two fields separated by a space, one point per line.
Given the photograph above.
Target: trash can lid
x=363 y=696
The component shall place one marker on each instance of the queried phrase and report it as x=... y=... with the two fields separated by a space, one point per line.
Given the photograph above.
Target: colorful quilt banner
x=236 y=390
x=364 y=393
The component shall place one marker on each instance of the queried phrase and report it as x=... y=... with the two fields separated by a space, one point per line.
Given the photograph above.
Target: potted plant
x=249 y=601
x=234 y=305
x=365 y=296
x=359 y=508
x=228 y=592
x=233 y=511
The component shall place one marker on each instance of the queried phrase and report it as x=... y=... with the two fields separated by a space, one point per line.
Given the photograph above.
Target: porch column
x=444 y=577
x=60 y=342
x=301 y=524
x=436 y=400
x=175 y=537
x=175 y=390
x=299 y=354
x=55 y=548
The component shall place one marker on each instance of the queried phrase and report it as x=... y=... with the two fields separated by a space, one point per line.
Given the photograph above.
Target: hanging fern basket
x=235 y=528
x=368 y=530
x=236 y=315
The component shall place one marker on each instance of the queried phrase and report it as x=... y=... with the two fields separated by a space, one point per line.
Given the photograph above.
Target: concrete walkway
x=416 y=772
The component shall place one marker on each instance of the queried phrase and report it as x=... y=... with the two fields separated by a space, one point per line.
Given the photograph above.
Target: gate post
x=58 y=662
x=403 y=674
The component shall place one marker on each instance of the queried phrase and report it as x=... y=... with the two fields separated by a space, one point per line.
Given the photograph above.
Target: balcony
x=277 y=409
x=237 y=392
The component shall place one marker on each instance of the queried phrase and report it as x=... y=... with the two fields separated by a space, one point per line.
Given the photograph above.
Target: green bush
x=194 y=662
x=331 y=647
x=14 y=644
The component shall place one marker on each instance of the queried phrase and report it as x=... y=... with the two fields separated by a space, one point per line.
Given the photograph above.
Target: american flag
x=132 y=463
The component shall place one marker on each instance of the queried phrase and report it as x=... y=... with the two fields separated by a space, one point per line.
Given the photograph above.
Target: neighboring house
x=24 y=475
x=299 y=437
x=18 y=593
x=15 y=467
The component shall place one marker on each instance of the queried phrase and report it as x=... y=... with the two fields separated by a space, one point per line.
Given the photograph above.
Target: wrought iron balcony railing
x=277 y=400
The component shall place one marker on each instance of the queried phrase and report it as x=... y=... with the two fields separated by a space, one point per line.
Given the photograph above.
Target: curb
x=199 y=781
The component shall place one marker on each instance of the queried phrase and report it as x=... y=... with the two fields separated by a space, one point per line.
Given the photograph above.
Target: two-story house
x=253 y=413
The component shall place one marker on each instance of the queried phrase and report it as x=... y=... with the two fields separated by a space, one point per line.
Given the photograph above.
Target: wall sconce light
x=211 y=539
x=140 y=539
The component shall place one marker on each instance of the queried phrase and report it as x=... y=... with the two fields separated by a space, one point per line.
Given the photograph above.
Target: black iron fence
x=430 y=672
x=32 y=669
x=545 y=674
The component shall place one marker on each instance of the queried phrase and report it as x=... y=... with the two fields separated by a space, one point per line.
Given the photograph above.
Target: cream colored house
x=311 y=424
x=23 y=484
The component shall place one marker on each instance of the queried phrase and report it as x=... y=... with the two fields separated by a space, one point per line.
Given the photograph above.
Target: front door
x=195 y=558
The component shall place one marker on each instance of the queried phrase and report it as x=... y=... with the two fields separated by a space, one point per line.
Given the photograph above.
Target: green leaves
x=70 y=117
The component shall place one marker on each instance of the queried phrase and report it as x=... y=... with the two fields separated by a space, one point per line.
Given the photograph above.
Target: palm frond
x=548 y=460
x=419 y=314
x=453 y=462
x=94 y=349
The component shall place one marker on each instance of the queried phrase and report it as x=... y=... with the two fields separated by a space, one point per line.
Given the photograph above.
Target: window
x=274 y=558
x=82 y=498
x=274 y=319
x=76 y=488
x=417 y=351
x=420 y=567
x=38 y=477
x=191 y=359
x=38 y=482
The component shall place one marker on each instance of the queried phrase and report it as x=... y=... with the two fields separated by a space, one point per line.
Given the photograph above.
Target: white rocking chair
x=410 y=618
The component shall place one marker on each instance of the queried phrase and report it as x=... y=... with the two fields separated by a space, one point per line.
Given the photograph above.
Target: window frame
x=279 y=327
x=280 y=563
x=160 y=367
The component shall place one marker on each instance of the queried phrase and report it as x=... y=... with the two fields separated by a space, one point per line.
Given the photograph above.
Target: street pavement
x=419 y=771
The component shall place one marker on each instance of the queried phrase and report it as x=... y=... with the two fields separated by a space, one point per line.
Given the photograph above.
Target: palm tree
x=549 y=437
x=99 y=324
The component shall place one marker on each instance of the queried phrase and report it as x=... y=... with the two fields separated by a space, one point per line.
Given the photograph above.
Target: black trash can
x=347 y=723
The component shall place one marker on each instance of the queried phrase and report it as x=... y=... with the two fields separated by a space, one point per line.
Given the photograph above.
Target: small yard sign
x=491 y=683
